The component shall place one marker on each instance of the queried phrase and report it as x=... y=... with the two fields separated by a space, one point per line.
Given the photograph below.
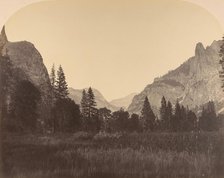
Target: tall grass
x=157 y=155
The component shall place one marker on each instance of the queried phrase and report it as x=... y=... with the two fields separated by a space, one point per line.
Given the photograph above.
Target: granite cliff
x=193 y=83
x=28 y=65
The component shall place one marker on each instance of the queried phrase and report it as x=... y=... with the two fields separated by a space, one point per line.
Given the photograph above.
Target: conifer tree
x=169 y=115
x=163 y=113
x=147 y=116
x=177 y=117
x=84 y=103
x=91 y=98
x=91 y=102
x=61 y=85
x=89 y=111
x=53 y=85
x=53 y=76
x=183 y=119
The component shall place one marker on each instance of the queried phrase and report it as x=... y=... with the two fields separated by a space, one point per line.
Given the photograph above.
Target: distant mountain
x=194 y=83
x=123 y=102
x=76 y=95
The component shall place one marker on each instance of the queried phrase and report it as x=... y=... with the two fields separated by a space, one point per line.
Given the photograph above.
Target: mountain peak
x=3 y=34
x=199 y=50
x=3 y=39
x=193 y=83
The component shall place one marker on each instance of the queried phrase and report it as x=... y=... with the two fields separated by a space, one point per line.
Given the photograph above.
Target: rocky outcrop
x=194 y=83
x=28 y=65
x=101 y=102
x=3 y=39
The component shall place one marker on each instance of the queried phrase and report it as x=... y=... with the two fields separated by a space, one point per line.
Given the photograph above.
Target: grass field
x=83 y=155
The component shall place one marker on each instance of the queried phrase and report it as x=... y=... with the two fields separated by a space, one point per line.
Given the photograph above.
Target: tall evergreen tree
x=90 y=113
x=61 y=85
x=169 y=115
x=147 y=116
x=91 y=102
x=183 y=119
x=163 y=113
x=84 y=103
x=53 y=76
x=177 y=117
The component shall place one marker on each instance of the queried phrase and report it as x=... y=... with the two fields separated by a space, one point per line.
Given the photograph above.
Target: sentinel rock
x=3 y=39
x=194 y=83
x=28 y=65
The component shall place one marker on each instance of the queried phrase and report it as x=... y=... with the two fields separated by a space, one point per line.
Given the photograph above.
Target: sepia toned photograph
x=111 y=88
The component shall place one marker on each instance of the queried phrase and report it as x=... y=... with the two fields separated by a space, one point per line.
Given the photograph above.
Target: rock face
x=123 y=102
x=28 y=65
x=76 y=95
x=194 y=83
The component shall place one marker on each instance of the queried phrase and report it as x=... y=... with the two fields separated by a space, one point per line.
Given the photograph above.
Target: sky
x=116 y=46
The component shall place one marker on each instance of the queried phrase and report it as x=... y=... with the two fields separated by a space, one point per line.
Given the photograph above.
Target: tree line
x=177 y=119
x=67 y=116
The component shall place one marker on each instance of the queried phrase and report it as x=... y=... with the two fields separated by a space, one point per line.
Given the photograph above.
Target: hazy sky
x=116 y=46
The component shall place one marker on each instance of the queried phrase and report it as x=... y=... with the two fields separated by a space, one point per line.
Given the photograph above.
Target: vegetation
x=24 y=109
x=147 y=116
x=82 y=155
x=67 y=116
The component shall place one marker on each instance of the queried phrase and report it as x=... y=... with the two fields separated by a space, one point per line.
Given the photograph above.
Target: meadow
x=118 y=155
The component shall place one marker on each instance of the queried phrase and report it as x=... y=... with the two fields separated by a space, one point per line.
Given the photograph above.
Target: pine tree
x=147 y=116
x=183 y=119
x=53 y=77
x=61 y=85
x=89 y=111
x=177 y=117
x=169 y=115
x=91 y=98
x=84 y=103
x=91 y=102
x=163 y=113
